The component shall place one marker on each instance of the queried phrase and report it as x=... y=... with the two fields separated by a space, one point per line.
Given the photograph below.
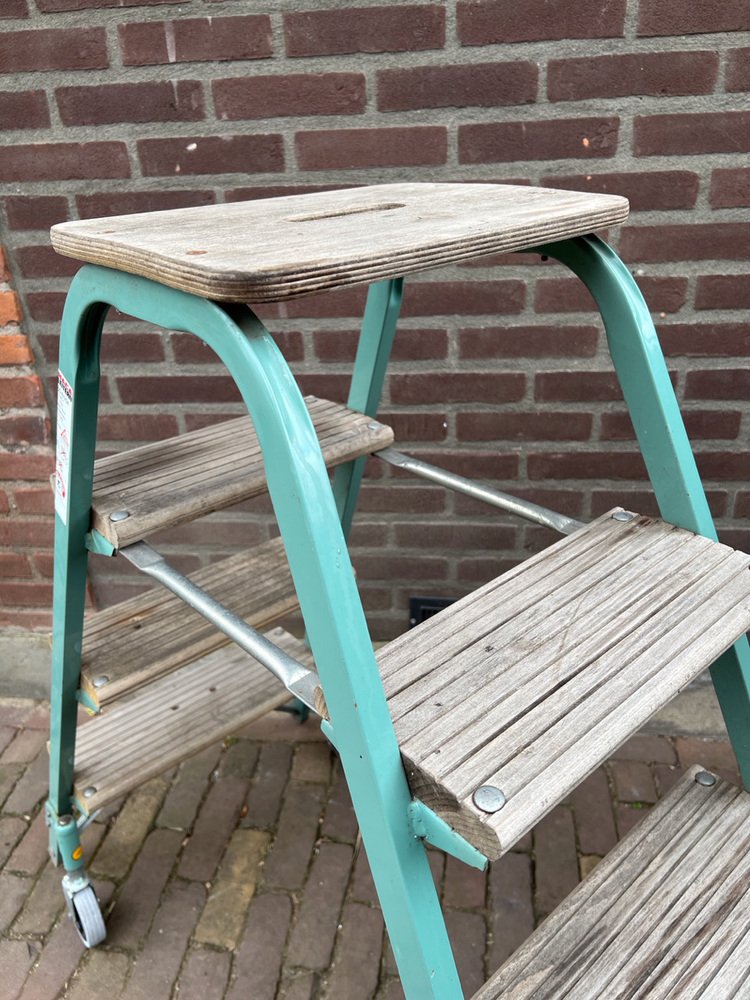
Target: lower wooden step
x=138 y=640
x=158 y=726
x=529 y=683
x=665 y=915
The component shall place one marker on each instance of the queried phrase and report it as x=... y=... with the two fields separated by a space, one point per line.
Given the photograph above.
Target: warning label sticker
x=62 y=462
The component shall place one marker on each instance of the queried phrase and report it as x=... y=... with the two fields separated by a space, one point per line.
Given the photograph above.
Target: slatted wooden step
x=532 y=681
x=143 y=638
x=155 y=728
x=263 y=251
x=168 y=482
x=665 y=915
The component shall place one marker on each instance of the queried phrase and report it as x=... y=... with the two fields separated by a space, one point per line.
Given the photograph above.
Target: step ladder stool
x=465 y=731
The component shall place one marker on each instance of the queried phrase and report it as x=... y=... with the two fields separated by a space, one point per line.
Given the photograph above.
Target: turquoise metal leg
x=316 y=548
x=371 y=362
x=650 y=398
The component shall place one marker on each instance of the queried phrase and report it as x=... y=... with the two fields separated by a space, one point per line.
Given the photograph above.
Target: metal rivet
x=374 y=427
x=99 y=682
x=119 y=515
x=705 y=778
x=488 y=798
x=623 y=515
x=65 y=820
x=90 y=792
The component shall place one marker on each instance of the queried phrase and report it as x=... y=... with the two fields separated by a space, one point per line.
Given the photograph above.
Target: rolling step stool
x=468 y=729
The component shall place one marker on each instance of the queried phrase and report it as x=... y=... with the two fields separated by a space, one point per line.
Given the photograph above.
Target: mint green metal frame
x=313 y=526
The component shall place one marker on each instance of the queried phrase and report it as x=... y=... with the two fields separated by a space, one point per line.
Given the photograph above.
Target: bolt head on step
x=99 y=682
x=488 y=798
x=89 y=792
x=622 y=515
x=119 y=515
x=705 y=778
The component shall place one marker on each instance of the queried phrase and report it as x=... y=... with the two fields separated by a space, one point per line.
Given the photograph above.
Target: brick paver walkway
x=239 y=877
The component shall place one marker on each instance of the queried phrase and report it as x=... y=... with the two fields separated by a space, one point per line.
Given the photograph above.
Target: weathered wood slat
x=530 y=683
x=176 y=480
x=267 y=250
x=147 y=636
x=662 y=916
x=156 y=727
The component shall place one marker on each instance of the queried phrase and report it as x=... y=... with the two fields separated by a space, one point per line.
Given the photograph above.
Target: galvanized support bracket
x=428 y=826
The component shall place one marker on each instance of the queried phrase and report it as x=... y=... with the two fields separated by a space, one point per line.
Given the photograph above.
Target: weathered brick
x=725 y=383
x=200 y=39
x=31 y=787
x=153 y=101
x=458 y=387
x=573 y=387
x=14 y=890
x=94 y=206
x=43 y=262
x=297 y=831
x=658 y=74
x=663 y=294
x=717 y=241
x=64 y=161
x=346 y=149
x=464 y=887
x=218 y=816
x=700 y=424
x=511 y=915
x=556 y=861
x=417 y=426
x=730 y=187
x=23 y=109
x=474 y=85
x=311 y=942
x=462 y=298
x=31 y=501
x=594 y=819
x=10 y=310
x=721 y=465
x=258 y=958
x=645 y=190
x=223 y=916
x=488 y=22
x=30 y=853
x=14 y=564
x=46 y=307
x=528 y=342
x=696 y=340
x=532 y=426
x=700 y=132
x=15 y=349
x=50 y=6
x=722 y=291
x=16 y=958
x=738 y=69
x=457 y=537
x=504 y=142
x=124 y=839
x=53 y=49
x=14 y=8
x=410 y=345
x=633 y=781
x=409 y=27
x=204 y=975
x=587 y=465
x=178 y=389
x=139 y=898
x=211 y=155
x=357 y=961
x=467 y=933
x=289 y=94
x=104 y=974
x=660 y=17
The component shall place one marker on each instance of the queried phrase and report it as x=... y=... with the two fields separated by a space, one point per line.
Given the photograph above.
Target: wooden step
x=181 y=478
x=529 y=683
x=138 y=640
x=155 y=728
x=264 y=251
x=665 y=915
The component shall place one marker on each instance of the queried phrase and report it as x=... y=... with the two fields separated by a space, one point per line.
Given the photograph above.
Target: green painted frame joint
x=86 y=702
x=99 y=544
x=428 y=826
x=65 y=840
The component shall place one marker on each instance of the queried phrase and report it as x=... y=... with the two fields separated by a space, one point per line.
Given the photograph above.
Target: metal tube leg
x=658 y=424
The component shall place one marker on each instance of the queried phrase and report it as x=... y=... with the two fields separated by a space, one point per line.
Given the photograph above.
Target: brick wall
x=126 y=105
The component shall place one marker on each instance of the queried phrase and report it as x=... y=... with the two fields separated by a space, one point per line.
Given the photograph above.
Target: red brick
x=678 y=135
x=136 y=347
x=14 y=564
x=24 y=430
x=461 y=298
x=64 y=161
x=328 y=386
x=410 y=345
x=458 y=387
x=730 y=187
x=154 y=101
x=291 y=94
x=400 y=568
x=645 y=190
x=28 y=212
x=662 y=17
x=454 y=536
x=15 y=350
x=279 y=190
x=476 y=85
x=738 y=69
x=26 y=594
x=94 y=206
x=136 y=426
x=178 y=389
x=556 y=861
x=503 y=142
x=406 y=28
x=663 y=294
x=565 y=500
x=722 y=291
x=576 y=387
x=21 y=390
x=700 y=425
x=43 y=262
x=53 y=49
x=46 y=307
x=346 y=149
x=401 y=499
x=524 y=426
x=657 y=74
x=343 y=302
x=23 y=109
x=742 y=504
x=14 y=466
x=726 y=383
x=33 y=501
x=488 y=22
x=200 y=39
x=49 y=6
x=562 y=295
x=14 y=8
x=211 y=155
x=714 y=241
x=489 y=465
x=10 y=311
x=700 y=341
x=587 y=465
x=723 y=465
x=416 y=426
x=529 y=342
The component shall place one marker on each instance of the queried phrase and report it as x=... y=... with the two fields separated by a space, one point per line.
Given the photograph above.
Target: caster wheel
x=88 y=917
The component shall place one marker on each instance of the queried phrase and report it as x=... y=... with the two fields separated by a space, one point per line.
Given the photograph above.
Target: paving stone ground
x=239 y=875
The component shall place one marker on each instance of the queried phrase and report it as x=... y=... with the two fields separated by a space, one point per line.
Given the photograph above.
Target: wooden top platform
x=277 y=248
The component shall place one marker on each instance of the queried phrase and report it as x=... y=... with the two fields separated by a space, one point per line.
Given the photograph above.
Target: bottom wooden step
x=666 y=914
x=160 y=725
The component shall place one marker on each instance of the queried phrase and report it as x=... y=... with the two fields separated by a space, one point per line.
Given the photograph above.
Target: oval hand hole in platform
x=195 y=253
x=345 y=211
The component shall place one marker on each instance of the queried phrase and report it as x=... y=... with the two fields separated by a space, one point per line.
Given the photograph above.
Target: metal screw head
x=119 y=515
x=65 y=820
x=99 y=682
x=622 y=515
x=374 y=427
x=90 y=792
x=705 y=778
x=488 y=798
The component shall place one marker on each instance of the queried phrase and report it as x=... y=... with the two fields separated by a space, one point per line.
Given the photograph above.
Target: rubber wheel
x=88 y=917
